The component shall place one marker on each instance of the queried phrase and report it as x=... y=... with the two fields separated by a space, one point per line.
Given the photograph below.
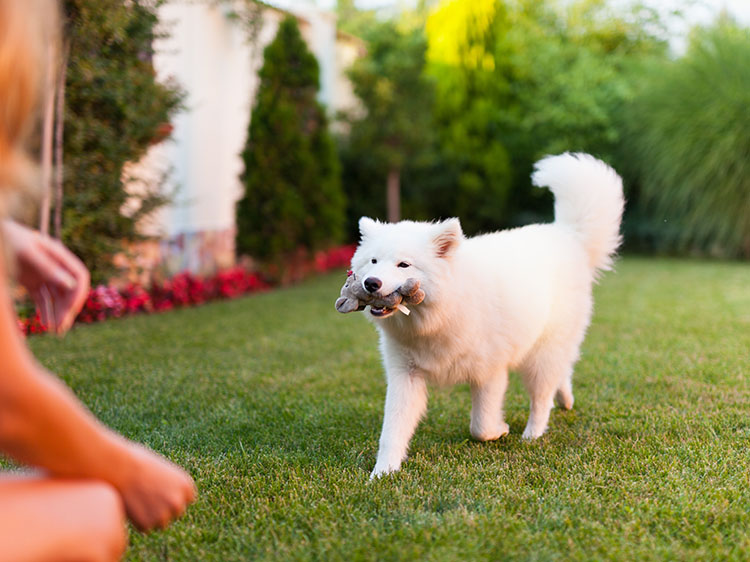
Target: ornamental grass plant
x=688 y=149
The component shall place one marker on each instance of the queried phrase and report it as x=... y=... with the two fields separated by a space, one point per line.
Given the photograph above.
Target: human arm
x=43 y=425
x=53 y=276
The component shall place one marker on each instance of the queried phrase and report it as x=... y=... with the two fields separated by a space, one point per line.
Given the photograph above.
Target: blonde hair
x=28 y=44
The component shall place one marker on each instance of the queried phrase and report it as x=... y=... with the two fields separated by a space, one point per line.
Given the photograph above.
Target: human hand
x=55 y=278
x=154 y=490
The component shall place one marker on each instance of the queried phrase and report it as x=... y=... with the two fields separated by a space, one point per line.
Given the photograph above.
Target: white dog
x=517 y=299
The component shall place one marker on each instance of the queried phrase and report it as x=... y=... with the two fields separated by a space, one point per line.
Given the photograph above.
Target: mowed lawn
x=274 y=404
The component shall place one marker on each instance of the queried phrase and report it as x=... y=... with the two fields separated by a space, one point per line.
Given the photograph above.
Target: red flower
x=35 y=325
x=102 y=302
x=183 y=289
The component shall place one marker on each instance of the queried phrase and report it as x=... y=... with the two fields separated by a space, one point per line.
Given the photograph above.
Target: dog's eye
x=373 y=260
x=403 y=264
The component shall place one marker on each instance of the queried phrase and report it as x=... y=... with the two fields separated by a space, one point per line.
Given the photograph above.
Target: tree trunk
x=59 y=125
x=47 y=127
x=393 y=195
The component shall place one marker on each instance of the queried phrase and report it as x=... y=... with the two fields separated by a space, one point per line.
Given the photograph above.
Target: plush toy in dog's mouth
x=355 y=297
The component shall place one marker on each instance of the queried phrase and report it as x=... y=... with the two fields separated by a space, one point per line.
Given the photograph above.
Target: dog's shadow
x=315 y=430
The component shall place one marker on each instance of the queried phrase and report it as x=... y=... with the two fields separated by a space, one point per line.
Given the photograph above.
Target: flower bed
x=184 y=289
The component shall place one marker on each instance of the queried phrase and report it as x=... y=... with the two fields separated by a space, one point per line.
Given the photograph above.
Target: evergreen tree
x=397 y=98
x=114 y=110
x=293 y=197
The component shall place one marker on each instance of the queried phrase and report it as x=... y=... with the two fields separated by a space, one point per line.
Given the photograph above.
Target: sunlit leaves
x=457 y=30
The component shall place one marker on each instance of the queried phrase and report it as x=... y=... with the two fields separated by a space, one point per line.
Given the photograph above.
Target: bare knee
x=106 y=532
x=60 y=519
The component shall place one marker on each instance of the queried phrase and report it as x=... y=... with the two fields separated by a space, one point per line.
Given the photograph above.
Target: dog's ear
x=367 y=226
x=448 y=236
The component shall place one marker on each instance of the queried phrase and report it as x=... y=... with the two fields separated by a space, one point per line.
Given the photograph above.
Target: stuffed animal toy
x=355 y=297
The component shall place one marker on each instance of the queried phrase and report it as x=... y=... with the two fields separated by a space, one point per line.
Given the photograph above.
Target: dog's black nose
x=372 y=284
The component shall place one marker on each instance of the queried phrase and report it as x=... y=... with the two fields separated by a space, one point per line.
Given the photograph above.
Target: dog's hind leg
x=546 y=374
x=487 y=398
x=564 y=395
x=541 y=404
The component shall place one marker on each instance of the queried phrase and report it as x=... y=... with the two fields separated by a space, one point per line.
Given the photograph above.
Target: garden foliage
x=688 y=147
x=115 y=109
x=511 y=81
x=293 y=197
x=507 y=83
x=396 y=96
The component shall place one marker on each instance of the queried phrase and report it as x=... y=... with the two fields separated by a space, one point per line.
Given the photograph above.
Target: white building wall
x=208 y=54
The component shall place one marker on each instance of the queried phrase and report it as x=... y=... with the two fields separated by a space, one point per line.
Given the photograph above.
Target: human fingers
x=176 y=503
x=48 y=312
x=37 y=266
x=157 y=509
x=71 y=283
x=67 y=259
x=61 y=307
x=66 y=306
x=157 y=492
x=44 y=305
x=71 y=272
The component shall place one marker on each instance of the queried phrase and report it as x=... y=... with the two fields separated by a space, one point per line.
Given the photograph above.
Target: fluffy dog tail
x=588 y=198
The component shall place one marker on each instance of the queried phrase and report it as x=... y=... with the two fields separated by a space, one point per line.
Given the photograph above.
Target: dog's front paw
x=532 y=432
x=382 y=469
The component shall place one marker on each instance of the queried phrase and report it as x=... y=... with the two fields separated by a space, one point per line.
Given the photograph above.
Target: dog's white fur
x=516 y=299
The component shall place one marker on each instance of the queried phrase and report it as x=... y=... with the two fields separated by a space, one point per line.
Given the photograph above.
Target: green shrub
x=688 y=144
x=114 y=110
x=293 y=197
x=519 y=80
x=498 y=85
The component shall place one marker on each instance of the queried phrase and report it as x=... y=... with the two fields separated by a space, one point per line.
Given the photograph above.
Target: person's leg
x=54 y=519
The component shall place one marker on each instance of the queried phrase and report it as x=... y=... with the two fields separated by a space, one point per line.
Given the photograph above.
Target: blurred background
x=188 y=135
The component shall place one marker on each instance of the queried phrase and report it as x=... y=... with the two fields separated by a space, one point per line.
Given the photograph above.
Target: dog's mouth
x=381 y=311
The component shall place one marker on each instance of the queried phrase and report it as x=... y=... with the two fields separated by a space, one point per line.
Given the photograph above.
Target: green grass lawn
x=274 y=404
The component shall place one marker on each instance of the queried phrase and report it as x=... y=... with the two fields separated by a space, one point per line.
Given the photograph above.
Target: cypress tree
x=293 y=198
